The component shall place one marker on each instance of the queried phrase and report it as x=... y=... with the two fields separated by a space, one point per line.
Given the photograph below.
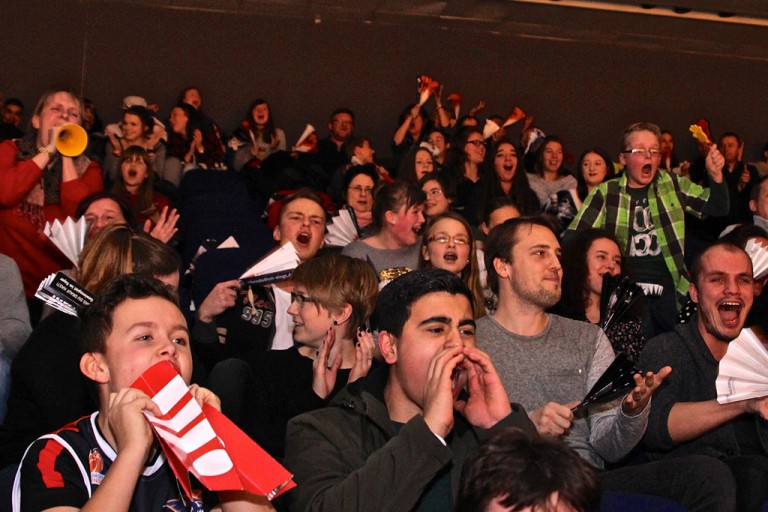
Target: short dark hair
x=342 y=110
x=355 y=142
x=731 y=134
x=391 y=197
x=356 y=170
x=523 y=472
x=96 y=319
x=394 y=305
x=503 y=238
x=125 y=208
x=697 y=266
x=446 y=183
x=13 y=101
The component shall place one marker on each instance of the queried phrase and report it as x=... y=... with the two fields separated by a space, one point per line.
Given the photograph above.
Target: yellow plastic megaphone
x=71 y=140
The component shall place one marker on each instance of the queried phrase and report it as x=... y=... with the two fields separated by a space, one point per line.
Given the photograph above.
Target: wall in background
x=584 y=92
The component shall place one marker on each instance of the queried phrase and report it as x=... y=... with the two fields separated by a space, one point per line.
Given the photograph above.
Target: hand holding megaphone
x=70 y=139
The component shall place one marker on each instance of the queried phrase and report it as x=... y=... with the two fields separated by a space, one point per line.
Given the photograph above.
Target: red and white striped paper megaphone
x=204 y=442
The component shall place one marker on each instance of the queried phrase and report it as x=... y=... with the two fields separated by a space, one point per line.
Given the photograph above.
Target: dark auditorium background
x=583 y=73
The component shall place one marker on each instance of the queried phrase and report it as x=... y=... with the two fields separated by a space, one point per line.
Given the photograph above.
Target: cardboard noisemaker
x=276 y=266
x=427 y=86
x=455 y=99
x=758 y=253
x=68 y=236
x=743 y=371
x=343 y=229
x=204 y=442
x=615 y=381
x=300 y=146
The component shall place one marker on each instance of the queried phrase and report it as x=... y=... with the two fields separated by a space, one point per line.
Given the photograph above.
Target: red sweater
x=35 y=255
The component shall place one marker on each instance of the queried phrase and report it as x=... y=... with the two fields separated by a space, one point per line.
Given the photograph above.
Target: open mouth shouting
x=303 y=238
x=730 y=312
x=458 y=381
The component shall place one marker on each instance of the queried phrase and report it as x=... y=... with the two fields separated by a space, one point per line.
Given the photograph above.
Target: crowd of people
x=466 y=301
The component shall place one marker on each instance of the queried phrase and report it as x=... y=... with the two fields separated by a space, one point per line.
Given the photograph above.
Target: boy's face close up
x=145 y=332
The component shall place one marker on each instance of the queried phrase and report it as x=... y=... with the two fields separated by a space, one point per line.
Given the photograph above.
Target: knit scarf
x=48 y=189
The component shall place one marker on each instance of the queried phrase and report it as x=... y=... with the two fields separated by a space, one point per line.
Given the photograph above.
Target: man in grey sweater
x=549 y=363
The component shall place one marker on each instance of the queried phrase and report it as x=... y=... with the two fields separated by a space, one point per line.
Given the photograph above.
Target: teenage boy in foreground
x=397 y=439
x=134 y=324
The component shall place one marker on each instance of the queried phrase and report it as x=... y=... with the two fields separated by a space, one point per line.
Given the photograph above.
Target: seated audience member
x=397 y=439
x=447 y=243
x=360 y=152
x=511 y=471
x=412 y=127
x=653 y=237
x=331 y=152
x=94 y=126
x=332 y=300
x=103 y=208
x=439 y=146
x=595 y=167
x=503 y=179
x=246 y=322
x=686 y=417
x=463 y=167
x=397 y=219
x=38 y=185
x=415 y=164
x=257 y=137
x=762 y=165
x=137 y=129
x=587 y=257
x=133 y=475
x=550 y=363
x=358 y=188
x=758 y=203
x=191 y=96
x=440 y=192
x=550 y=176
x=191 y=144
x=14 y=324
x=47 y=389
x=134 y=184
x=669 y=161
x=739 y=178
x=11 y=118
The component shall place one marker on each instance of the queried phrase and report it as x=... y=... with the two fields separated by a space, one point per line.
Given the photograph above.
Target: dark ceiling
x=734 y=29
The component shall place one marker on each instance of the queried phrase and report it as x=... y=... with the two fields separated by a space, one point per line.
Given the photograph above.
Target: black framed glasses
x=301 y=299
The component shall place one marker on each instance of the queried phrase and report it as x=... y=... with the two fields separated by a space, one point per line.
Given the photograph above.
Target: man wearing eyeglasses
x=645 y=208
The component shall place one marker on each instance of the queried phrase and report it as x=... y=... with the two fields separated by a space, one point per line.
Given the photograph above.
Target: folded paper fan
x=342 y=230
x=455 y=100
x=615 y=381
x=204 y=442
x=426 y=87
x=743 y=372
x=490 y=128
x=69 y=236
x=516 y=115
x=759 y=255
x=308 y=130
x=275 y=266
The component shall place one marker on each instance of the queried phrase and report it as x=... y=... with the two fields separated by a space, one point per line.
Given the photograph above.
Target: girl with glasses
x=448 y=244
